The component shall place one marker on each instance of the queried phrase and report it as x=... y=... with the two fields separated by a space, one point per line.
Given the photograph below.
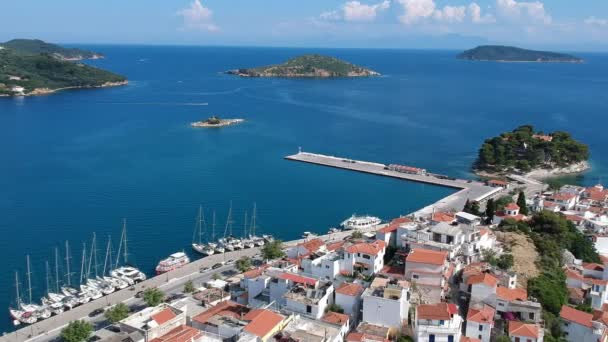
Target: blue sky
x=560 y=24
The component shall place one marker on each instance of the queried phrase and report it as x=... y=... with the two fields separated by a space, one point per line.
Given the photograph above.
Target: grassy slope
x=36 y=47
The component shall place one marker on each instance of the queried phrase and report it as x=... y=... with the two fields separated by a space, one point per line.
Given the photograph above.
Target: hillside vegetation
x=514 y=54
x=525 y=149
x=36 y=47
x=308 y=66
x=45 y=73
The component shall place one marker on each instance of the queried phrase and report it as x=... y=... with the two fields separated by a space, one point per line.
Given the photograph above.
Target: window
x=359 y=254
x=480 y=327
x=479 y=337
x=517 y=339
x=365 y=256
x=414 y=276
x=441 y=322
x=531 y=315
x=450 y=338
x=566 y=324
x=431 y=338
x=327 y=266
x=529 y=340
x=308 y=309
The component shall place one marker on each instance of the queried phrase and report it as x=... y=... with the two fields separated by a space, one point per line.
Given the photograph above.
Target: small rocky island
x=500 y=53
x=215 y=121
x=308 y=66
x=537 y=154
x=33 y=67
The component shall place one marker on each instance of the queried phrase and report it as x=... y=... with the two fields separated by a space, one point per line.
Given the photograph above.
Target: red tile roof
x=576 y=316
x=256 y=272
x=512 y=206
x=395 y=223
x=441 y=311
x=262 y=322
x=427 y=256
x=595 y=281
x=593 y=266
x=335 y=318
x=573 y=274
x=298 y=279
x=468 y=339
x=484 y=315
x=164 y=316
x=370 y=248
x=509 y=295
x=334 y=246
x=226 y=309
x=485 y=278
x=443 y=217
x=360 y=337
x=182 y=333
x=312 y=245
x=600 y=316
x=350 y=289
x=563 y=196
x=522 y=329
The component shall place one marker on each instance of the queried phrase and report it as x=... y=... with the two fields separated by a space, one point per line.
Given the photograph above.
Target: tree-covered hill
x=525 y=149
x=36 y=47
x=308 y=66
x=514 y=54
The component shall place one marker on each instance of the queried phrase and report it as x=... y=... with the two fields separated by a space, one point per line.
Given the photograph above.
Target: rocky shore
x=46 y=91
x=541 y=174
x=221 y=123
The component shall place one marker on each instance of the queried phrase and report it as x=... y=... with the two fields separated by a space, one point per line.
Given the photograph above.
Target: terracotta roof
x=298 y=278
x=522 y=329
x=576 y=316
x=600 y=316
x=576 y=294
x=360 y=337
x=335 y=318
x=573 y=274
x=350 y=289
x=395 y=223
x=312 y=245
x=441 y=311
x=334 y=246
x=468 y=339
x=164 y=316
x=574 y=218
x=183 y=333
x=427 y=256
x=508 y=294
x=443 y=217
x=548 y=204
x=593 y=266
x=595 y=281
x=485 y=278
x=484 y=315
x=256 y=272
x=604 y=258
x=563 y=196
x=227 y=309
x=370 y=248
x=262 y=321
x=512 y=206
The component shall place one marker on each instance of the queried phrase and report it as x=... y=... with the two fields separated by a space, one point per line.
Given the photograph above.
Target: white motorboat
x=69 y=291
x=268 y=238
x=92 y=292
x=248 y=244
x=173 y=262
x=116 y=282
x=70 y=302
x=360 y=222
x=219 y=250
x=229 y=247
x=130 y=274
x=209 y=250
x=56 y=308
x=102 y=286
x=25 y=317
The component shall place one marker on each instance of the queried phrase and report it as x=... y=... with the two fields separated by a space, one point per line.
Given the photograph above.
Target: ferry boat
x=360 y=222
x=173 y=262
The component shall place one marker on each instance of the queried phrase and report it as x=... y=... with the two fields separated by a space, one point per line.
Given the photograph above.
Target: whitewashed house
x=437 y=323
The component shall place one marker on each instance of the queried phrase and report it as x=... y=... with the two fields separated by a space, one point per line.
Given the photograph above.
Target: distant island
x=499 y=53
x=36 y=46
x=308 y=66
x=215 y=121
x=538 y=154
x=27 y=71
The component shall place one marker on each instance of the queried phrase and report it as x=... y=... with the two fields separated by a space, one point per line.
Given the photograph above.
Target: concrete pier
x=467 y=189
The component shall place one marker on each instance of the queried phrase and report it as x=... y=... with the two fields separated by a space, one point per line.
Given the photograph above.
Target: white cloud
x=356 y=11
x=198 y=17
x=330 y=15
x=476 y=16
x=451 y=14
x=524 y=10
x=416 y=10
x=593 y=21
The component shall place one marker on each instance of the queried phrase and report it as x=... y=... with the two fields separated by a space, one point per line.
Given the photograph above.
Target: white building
x=386 y=303
x=348 y=297
x=427 y=269
x=579 y=326
x=309 y=298
x=480 y=322
x=365 y=257
x=153 y=322
x=437 y=323
x=322 y=264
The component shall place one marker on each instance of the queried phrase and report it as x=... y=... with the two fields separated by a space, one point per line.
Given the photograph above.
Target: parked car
x=204 y=269
x=139 y=294
x=174 y=296
x=95 y=312
x=216 y=266
x=113 y=328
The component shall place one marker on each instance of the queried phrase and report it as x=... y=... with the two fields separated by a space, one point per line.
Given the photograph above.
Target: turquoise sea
x=77 y=162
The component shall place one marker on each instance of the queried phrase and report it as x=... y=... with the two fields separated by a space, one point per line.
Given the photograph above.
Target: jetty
x=466 y=189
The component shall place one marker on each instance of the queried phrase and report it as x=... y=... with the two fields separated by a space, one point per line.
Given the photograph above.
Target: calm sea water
x=79 y=161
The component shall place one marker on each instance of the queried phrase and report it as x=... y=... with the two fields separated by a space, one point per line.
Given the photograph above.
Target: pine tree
x=521 y=202
x=467 y=206
x=490 y=211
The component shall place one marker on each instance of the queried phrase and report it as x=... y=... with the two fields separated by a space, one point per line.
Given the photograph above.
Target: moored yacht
x=25 y=317
x=173 y=262
x=360 y=222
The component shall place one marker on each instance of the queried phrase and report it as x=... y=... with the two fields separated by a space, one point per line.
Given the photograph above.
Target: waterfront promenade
x=467 y=189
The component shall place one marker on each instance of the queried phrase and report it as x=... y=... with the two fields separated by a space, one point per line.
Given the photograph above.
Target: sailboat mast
x=17 y=288
x=29 y=278
x=213 y=227
x=83 y=262
x=56 y=269
x=124 y=225
x=245 y=228
x=200 y=224
x=67 y=262
x=108 y=255
x=48 y=282
x=122 y=238
x=255 y=209
x=91 y=256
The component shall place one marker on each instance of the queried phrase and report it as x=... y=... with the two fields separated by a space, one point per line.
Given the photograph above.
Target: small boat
x=116 y=282
x=238 y=244
x=92 y=292
x=229 y=247
x=268 y=238
x=199 y=229
x=55 y=297
x=56 y=308
x=360 y=222
x=209 y=250
x=333 y=230
x=173 y=262
x=69 y=291
x=70 y=302
x=25 y=317
x=306 y=235
x=248 y=244
x=220 y=250
x=102 y=286
x=129 y=274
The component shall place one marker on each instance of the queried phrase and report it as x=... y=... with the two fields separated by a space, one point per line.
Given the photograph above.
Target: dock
x=466 y=189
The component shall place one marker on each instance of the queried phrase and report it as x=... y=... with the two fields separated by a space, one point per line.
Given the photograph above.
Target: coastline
x=47 y=91
x=541 y=174
x=223 y=123
x=508 y=61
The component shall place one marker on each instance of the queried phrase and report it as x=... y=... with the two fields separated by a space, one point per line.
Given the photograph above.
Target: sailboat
x=42 y=312
x=129 y=274
x=258 y=241
x=56 y=307
x=98 y=284
x=199 y=230
x=20 y=315
x=117 y=283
